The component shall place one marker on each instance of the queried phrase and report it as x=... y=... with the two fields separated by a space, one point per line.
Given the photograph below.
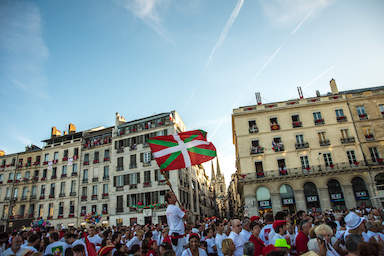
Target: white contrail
x=319 y=76
x=226 y=29
x=302 y=21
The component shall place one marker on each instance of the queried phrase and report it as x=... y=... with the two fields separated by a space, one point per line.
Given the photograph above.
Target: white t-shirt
x=175 y=219
x=264 y=233
x=96 y=240
x=239 y=243
x=187 y=252
x=56 y=248
x=245 y=235
x=210 y=245
x=133 y=241
x=219 y=243
x=9 y=252
x=77 y=242
x=29 y=248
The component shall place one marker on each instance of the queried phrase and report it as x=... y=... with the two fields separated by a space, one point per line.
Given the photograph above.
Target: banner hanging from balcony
x=182 y=150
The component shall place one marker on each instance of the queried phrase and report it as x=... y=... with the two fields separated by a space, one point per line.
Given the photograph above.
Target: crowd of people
x=352 y=232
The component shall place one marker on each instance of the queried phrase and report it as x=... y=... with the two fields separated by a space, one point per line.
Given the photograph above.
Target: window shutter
x=126 y=179
x=156 y=175
x=138 y=178
x=152 y=157
x=141 y=157
x=128 y=201
x=114 y=181
x=165 y=132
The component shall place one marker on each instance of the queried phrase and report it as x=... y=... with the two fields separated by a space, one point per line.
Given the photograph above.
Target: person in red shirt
x=257 y=242
x=302 y=237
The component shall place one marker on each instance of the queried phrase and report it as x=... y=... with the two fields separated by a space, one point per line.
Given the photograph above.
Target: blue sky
x=82 y=61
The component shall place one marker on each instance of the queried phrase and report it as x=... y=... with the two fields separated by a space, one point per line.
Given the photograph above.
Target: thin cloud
x=226 y=29
x=148 y=12
x=319 y=76
x=22 y=47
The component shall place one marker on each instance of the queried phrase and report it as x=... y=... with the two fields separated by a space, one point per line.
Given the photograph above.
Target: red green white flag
x=181 y=150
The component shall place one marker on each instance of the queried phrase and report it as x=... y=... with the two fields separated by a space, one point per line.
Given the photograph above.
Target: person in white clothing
x=72 y=241
x=33 y=242
x=236 y=238
x=264 y=233
x=93 y=237
x=220 y=236
x=246 y=231
x=211 y=246
x=56 y=247
x=194 y=249
x=137 y=239
x=280 y=228
x=175 y=218
x=15 y=248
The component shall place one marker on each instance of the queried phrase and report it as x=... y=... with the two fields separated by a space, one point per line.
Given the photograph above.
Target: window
x=86 y=157
x=120 y=203
x=259 y=167
x=56 y=156
x=42 y=190
x=72 y=207
x=147 y=157
x=105 y=208
x=84 y=191
x=74 y=168
x=339 y=112
x=1 y=177
x=36 y=174
x=304 y=162
x=50 y=210
x=282 y=166
x=83 y=210
x=52 y=191
x=374 y=154
x=133 y=161
x=33 y=192
x=46 y=157
x=106 y=172
x=8 y=193
x=22 y=210
x=38 y=159
x=61 y=209
x=361 y=111
x=94 y=190
x=73 y=186
x=11 y=176
x=94 y=208
x=106 y=153
x=381 y=109
x=18 y=176
x=300 y=139
x=147 y=177
x=85 y=175
x=62 y=188
x=273 y=120
x=317 y=115
x=27 y=174
x=328 y=159
x=119 y=181
x=120 y=163
x=31 y=210
x=96 y=156
x=322 y=137
x=277 y=145
x=54 y=172
x=344 y=133
x=255 y=143
x=134 y=178
x=25 y=191
x=45 y=173
x=105 y=188
x=368 y=133
x=351 y=156
x=41 y=210
x=76 y=152
x=252 y=126
x=295 y=118
x=64 y=170
x=66 y=153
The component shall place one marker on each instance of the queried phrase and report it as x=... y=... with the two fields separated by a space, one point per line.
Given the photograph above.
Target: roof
x=145 y=118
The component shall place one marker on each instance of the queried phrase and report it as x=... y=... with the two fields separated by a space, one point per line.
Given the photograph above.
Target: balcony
x=104 y=212
x=85 y=181
x=106 y=178
x=341 y=119
x=278 y=147
x=60 y=216
x=62 y=195
x=53 y=177
x=72 y=194
x=96 y=161
x=74 y=174
x=347 y=140
x=147 y=164
x=119 y=210
x=35 y=179
x=33 y=197
x=83 y=198
x=133 y=186
x=50 y=217
x=25 y=180
x=119 y=168
x=275 y=127
x=104 y=195
x=86 y=163
x=257 y=150
x=82 y=214
x=363 y=116
x=9 y=181
x=120 y=188
x=161 y=182
x=253 y=129
x=107 y=159
x=132 y=166
x=55 y=161
x=297 y=124
x=120 y=150
x=319 y=121
x=51 y=196
x=36 y=163
x=302 y=145
x=43 y=178
x=260 y=174
x=147 y=184
x=75 y=157
x=96 y=179
x=71 y=215
x=283 y=171
x=369 y=137
x=133 y=147
x=324 y=143
x=65 y=159
x=63 y=175
x=94 y=197
x=42 y=197
x=45 y=162
x=23 y=198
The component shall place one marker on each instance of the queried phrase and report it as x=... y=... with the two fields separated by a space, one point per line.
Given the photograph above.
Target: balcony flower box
x=260 y=175
x=82 y=214
x=45 y=162
x=25 y=179
x=104 y=212
x=2 y=166
x=160 y=123
x=63 y=175
x=30 y=215
x=49 y=217
x=95 y=161
x=17 y=181
x=43 y=178
x=105 y=195
x=75 y=157
x=314 y=100
x=369 y=136
x=363 y=116
x=122 y=132
x=83 y=198
x=9 y=181
x=51 y=196
x=65 y=158
x=74 y=174
x=20 y=166
x=53 y=177
x=71 y=215
x=356 y=163
x=257 y=150
x=42 y=197
x=332 y=166
x=296 y=124
x=60 y=216
x=319 y=121
x=283 y=171
x=341 y=118
x=94 y=197
x=28 y=164
x=86 y=163
x=380 y=160
x=106 y=159
x=275 y=127
x=36 y=163
x=8 y=165
x=55 y=161
x=146 y=184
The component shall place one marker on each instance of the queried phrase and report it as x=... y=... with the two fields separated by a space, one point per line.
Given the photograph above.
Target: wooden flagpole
x=170 y=186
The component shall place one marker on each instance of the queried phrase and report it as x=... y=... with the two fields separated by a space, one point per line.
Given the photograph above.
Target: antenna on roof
x=258 y=98
x=300 y=92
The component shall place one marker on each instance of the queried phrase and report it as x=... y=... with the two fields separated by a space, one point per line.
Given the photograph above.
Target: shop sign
x=311 y=198
x=336 y=196
x=264 y=204
x=361 y=195
x=288 y=201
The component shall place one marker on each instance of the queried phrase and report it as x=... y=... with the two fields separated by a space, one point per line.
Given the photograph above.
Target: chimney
x=317 y=93
x=71 y=128
x=119 y=119
x=258 y=98
x=333 y=85
x=55 y=132
x=300 y=92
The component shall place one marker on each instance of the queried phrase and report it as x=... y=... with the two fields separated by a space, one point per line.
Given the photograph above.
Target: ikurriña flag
x=181 y=150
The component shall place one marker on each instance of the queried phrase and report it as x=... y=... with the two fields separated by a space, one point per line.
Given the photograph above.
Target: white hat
x=352 y=220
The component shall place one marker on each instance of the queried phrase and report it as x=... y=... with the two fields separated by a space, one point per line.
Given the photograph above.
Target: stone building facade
x=104 y=171
x=311 y=153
